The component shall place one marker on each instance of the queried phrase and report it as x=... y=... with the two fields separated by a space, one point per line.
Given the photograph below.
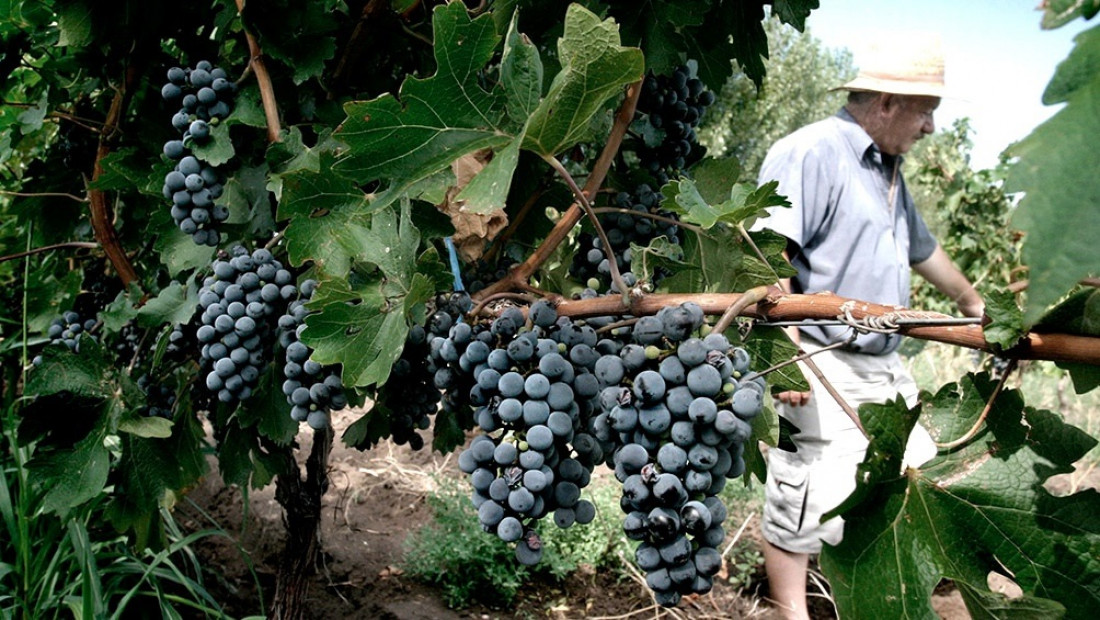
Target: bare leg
x=787 y=580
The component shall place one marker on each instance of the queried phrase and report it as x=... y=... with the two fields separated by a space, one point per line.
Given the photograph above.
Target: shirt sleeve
x=803 y=175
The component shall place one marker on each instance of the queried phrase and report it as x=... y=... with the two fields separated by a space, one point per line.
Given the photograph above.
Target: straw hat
x=902 y=64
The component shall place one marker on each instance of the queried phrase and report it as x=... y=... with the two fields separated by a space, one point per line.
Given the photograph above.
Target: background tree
x=797 y=90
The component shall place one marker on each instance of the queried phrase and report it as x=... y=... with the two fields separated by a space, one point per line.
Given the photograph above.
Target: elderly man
x=855 y=231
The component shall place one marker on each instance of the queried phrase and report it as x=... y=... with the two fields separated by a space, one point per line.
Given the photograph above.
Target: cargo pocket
x=786 y=494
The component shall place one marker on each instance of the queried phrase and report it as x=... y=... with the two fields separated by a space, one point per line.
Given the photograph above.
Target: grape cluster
x=673 y=106
x=481 y=273
x=127 y=342
x=409 y=395
x=159 y=398
x=676 y=410
x=239 y=302
x=68 y=329
x=534 y=394
x=312 y=390
x=194 y=187
x=591 y=264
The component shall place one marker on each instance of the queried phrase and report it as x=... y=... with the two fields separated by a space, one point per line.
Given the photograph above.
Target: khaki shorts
x=803 y=485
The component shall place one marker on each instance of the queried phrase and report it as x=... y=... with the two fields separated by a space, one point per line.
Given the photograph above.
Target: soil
x=375 y=500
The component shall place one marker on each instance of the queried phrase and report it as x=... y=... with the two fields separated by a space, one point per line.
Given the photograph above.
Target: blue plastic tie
x=456 y=270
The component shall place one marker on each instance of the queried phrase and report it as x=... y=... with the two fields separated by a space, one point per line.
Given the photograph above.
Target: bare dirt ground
x=375 y=499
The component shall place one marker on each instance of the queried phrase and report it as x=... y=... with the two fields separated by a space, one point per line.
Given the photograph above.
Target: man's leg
x=787 y=580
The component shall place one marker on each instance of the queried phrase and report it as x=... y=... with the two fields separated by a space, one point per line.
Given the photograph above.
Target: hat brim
x=895 y=87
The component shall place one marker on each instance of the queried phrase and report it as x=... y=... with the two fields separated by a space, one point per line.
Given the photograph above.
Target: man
x=853 y=230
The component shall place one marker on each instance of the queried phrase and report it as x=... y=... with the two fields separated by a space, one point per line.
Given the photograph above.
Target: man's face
x=908 y=119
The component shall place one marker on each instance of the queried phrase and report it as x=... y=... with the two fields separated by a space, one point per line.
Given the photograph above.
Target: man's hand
x=794 y=399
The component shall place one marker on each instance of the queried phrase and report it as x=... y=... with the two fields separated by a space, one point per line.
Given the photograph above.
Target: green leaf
x=996 y=605
x=218 y=149
x=794 y=12
x=743 y=203
x=268 y=410
x=88 y=373
x=1077 y=70
x=1006 y=325
x=363 y=325
x=177 y=251
x=595 y=67
x=715 y=178
x=438 y=119
x=73 y=476
x=74 y=20
x=488 y=191
x=979 y=508
x=174 y=304
x=520 y=75
x=1057 y=13
x=328 y=220
x=1059 y=154
x=148 y=427
x=362 y=328
x=769 y=346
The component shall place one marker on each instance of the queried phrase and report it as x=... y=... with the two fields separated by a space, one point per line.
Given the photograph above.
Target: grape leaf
x=488 y=191
x=769 y=346
x=744 y=202
x=997 y=605
x=1006 y=325
x=362 y=325
x=520 y=75
x=1055 y=170
x=151 y=471
x=142 y=426
x=73 y=476
x=88 y=373
x=174 y=305
x=437 y=119
x=980 y=508
x=1057 y=13
x=268 y=410
x=363 y=328
x=794 y=12
x=218 y=149
x=176 y=250
x=328 y=219
x=594 y=68
x=715 y=177
x=74 y=21
x=371 y=428
x=1077 y=70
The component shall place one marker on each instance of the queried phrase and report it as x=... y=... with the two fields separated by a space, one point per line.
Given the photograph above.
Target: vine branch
x=623 y=117
x=105 y=232
x=4 y=192
x=263 y=80
x=612 y=262
x=57 y=246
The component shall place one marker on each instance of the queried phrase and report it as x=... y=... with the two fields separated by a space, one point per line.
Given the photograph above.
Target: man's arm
x=946 y=277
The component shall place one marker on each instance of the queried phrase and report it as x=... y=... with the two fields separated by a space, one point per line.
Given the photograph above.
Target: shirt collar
x=863 y=147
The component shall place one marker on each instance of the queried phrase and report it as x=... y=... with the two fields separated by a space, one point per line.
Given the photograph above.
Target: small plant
x=453 y=553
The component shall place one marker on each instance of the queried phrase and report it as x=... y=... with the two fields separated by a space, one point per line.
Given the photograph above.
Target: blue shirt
x=849 y=239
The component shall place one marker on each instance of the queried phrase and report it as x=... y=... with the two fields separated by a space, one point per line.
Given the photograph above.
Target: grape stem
x=748 y=298
x=582 y=199
x=70 y=244
x=652 y=216
x=263 y=80
x=524 y=297
x=569 y=219
x=969 y=435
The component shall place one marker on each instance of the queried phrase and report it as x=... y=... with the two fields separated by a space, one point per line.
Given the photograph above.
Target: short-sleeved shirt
x=848 y=238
